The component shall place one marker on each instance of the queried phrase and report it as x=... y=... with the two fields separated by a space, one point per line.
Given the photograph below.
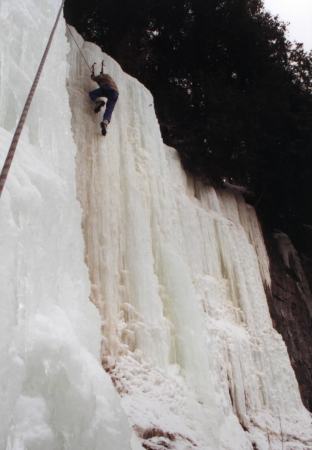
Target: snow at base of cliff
x=176 y=273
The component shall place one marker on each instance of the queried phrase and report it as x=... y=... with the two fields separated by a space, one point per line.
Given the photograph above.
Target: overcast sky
x=299 y=14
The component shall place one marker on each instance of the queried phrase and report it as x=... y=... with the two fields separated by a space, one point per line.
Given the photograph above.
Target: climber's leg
x=112 y=97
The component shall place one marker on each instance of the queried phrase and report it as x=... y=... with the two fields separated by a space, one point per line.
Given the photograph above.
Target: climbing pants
x=112 y=97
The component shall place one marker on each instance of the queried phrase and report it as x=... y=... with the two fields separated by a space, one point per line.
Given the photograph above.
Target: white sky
x=299 y=15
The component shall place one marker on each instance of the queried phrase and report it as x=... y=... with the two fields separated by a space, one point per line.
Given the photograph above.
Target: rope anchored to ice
x=80 y=51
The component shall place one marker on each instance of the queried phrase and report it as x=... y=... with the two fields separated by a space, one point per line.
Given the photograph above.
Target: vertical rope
x=19 y=128
x=69 y=30
x=282 y=435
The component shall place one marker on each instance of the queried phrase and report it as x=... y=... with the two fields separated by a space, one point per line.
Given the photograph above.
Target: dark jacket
x=104 y=80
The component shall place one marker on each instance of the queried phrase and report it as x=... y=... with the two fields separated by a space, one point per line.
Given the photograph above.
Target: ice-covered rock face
x=178 y=274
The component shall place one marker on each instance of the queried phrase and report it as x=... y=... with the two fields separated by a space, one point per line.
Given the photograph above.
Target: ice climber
x=107 y=88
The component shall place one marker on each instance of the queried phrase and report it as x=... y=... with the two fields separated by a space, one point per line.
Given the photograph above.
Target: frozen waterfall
x=53 y=392
x=176 y=272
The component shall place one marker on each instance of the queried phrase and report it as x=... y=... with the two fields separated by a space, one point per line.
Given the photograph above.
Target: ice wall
x=178 y=274
x=54 y=393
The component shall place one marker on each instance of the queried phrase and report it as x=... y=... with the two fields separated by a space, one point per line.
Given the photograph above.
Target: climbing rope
x=79 y=49
x=19 y=128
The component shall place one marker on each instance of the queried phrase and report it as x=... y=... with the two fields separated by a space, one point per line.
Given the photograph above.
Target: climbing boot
x=104 y=125
x=98 y=105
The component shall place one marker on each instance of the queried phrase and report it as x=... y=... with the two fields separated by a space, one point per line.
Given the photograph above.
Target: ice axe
x=102 y=67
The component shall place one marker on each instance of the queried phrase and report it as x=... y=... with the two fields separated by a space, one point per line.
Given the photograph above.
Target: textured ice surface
x=178 y=273
x=54 y=393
